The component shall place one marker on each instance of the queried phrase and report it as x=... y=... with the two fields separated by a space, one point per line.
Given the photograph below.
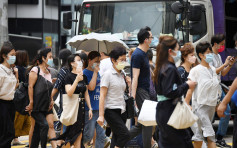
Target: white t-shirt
x=105 y=64
x=217 y=62
x=7 y=83
x=116 y=86
x=208 y=87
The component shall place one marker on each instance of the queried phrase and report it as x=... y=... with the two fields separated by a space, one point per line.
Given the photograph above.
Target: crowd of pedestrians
x=192 y=74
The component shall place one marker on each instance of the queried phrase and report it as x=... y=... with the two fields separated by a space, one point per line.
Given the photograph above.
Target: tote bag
x=70 y=109
x=182 y=116
x=55 y=116
x=147 y=116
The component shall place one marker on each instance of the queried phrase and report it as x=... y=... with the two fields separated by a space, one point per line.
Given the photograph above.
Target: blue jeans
x=89 y=129
x=224 y=122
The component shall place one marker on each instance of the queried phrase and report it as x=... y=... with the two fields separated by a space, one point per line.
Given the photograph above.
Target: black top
x=81 y=86
x=170 y=83
x=21 y=73
x=140 y=61
x=184 y=75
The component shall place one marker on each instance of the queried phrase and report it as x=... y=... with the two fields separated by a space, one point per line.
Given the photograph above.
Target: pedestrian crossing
x=26 y=143
x=24 y=139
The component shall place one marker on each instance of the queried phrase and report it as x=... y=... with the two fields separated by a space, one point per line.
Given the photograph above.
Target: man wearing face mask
x=140 y=74
x=218 y=45
x=204 y=96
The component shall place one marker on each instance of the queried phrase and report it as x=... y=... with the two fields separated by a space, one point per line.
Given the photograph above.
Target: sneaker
x=222 y=144
x=107 y=142
x=16 y=142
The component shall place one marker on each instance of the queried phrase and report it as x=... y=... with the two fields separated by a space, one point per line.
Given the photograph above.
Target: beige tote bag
x=70 y=109
x=182 y=116
x=55 y=116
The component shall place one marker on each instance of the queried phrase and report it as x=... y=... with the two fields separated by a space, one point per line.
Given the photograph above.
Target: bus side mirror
x=177 y=7
x=67 y=20
x=195 y=28
x=196 y=11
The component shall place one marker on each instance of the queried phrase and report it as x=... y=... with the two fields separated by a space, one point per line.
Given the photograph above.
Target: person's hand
x=227 y=61
x=191 y=84
x=232 y=61
x=54 y=80
x=79 y=77
x=100 y=120
x=90 y=114
x=128 y=80
x=51 y=104
x=97 y=68
x=221 y=109
x=29 y=107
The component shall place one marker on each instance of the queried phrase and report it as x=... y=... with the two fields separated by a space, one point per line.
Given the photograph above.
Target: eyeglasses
x=151 y=37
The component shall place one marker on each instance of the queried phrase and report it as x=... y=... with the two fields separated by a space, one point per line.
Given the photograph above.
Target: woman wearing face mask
x=169 y=88
x=8 y=83
x=93 y=77
x=39 y=90
x=112 y=103
x=188 y=59
x=76 y=83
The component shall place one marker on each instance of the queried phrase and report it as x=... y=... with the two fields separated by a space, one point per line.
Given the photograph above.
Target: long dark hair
x=38 y=59
x=22 y=58
x=71 y=59
x=162 y=53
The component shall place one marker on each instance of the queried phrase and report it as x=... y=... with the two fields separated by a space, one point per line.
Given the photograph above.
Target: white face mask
x=79 y=64
x=192 y=59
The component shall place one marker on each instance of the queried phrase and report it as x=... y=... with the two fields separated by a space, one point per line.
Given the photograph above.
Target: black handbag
x=129 y=100
x=21 y=98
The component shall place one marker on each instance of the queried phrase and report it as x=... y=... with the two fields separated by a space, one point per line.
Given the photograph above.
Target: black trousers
x=40 y=130
x=117 y=121
x=170 y=137
x=7 y=116
x=146 y=131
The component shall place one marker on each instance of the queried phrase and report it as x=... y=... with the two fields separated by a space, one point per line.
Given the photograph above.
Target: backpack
x=21 y=97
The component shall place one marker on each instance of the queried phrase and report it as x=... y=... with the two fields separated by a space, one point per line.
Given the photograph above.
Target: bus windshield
x=126 y=18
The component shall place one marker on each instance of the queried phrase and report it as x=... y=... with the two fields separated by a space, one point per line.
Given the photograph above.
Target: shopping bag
x=147 y=116
x=55 y=116
x=182 y=116
x=70 y=109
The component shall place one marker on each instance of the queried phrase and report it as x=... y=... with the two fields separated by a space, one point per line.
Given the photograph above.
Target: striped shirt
x=60 y=82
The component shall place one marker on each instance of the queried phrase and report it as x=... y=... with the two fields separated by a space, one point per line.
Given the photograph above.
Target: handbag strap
x=127 y=88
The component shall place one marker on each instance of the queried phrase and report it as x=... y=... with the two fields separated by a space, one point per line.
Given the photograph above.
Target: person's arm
x=92 y=83
x=88 y=102
x=189 y=96
x=32 y=81
x=70 y=89
x=103 y=93
x=223 y=105
x=224 y=68
x=135 y=72
x=169 y=84
x=15 y=69
x=231 y=61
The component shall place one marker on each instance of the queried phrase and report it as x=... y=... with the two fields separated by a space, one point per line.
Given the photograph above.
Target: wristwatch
x=91 y=109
